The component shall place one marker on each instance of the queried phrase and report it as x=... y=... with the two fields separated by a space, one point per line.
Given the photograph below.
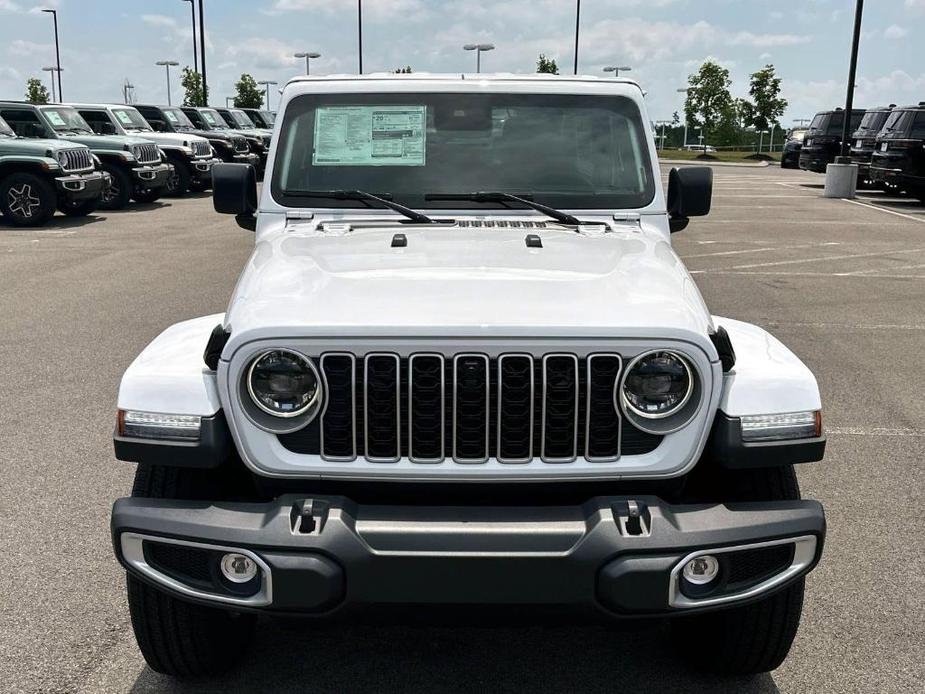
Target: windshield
x=6 y=130
x=130 y=119
x=268 y=118
x=873 y=121
x=212 y=118
x=565 y=151
x=797 y=135
x=178 y=119
x=64 y=119
x=898 y=122
x=241 y=119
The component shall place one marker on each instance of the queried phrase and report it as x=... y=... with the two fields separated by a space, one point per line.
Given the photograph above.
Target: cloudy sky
x=106 y=41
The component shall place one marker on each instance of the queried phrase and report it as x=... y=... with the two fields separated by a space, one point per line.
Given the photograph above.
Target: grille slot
x=77 y=160
x=515 y=408
x=431 y=408
x=338 y=424
x=560 y=408
x=382 y=396
x=426 y=408
x=147 y=154
x=603 y=423
x=201 y=149
x=470 y=408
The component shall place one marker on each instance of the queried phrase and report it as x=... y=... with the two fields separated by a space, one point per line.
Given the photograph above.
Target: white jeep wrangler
x=464 y=367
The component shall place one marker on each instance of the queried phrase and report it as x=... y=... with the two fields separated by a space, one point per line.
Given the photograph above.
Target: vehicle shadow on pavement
x=56 y=223
x=304 y=656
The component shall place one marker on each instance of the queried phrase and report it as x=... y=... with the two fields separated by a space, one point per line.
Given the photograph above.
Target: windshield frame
x=6 y=130
x=580 y=202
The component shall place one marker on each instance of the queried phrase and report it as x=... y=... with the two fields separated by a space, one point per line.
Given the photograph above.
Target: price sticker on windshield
x=370 y=136
x=123 y=117
x=884 y=147
x=55 y=118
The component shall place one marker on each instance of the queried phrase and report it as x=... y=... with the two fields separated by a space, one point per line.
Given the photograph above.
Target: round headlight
x=61 y=157
x=283 y=383
x=657 y=385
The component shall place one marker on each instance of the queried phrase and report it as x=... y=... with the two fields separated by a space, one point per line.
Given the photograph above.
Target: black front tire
x=179 y=638
x=27 y=200
x=179 y=181
x=78 y=208
x=120 y=192
x=754 y=638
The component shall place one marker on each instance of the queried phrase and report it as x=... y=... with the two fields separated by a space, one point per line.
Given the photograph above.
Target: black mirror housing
x=690 y=194
x=234 y=191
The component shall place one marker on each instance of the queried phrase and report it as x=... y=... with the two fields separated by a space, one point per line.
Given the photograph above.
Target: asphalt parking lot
x=841 y=282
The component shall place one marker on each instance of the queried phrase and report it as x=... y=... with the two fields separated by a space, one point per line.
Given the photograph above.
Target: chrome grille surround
x=201 y=149
x=147 y=153
x=267 y=455
x=78 y=160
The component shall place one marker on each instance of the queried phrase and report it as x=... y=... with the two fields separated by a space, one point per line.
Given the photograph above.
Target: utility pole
x=192 y=12
x=852 y=75
x=308 y=57
x=684 y=91
x=167 y=64
x=51 y=70
x=577 y=26
x=266 y=84
x=479 y=48
x=54 y=13
x=202 y=49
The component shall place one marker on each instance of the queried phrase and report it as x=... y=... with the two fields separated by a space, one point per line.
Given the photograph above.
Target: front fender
x=767 y=377
x=170 y=376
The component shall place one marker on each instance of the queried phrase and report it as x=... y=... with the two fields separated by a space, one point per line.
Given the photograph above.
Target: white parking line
x=814 y=260
x=757 y=273
x=763 y=249
x=880 y=269
x=846 y=326
x=920 y=220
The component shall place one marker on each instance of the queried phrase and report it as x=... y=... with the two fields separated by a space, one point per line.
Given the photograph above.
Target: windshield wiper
x=413 y=215
x=483 y=196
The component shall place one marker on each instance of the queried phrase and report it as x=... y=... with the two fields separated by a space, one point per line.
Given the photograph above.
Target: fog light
x=238 y=568
x=701 y=570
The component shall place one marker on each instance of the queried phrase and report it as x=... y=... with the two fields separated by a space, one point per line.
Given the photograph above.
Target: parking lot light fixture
x=308 y=57
x=54 y=13
x=266 y=85
x=616 y=70
x=479 y=48
x=684 y=91
x=167 y=65
x=51 y=71
x=192 y=11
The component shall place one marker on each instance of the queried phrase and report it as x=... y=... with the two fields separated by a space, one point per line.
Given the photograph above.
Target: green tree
x=191 y=81
x=36 y=93
x=709 y=103
x=403 y=70
x=248 y=93
x=547 y=65
x=766 y=105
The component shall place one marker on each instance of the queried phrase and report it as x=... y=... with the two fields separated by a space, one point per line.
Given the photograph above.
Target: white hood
x=455 y=282
x=173 y=139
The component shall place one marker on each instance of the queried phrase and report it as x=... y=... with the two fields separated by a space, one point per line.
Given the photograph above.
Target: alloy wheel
x=23 y=201
x=112 y=193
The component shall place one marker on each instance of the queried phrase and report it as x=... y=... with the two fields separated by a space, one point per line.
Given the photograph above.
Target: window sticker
x=171 y=116
x=370 y=136
x=209 y=118
x=123 y=117
x=55 y=118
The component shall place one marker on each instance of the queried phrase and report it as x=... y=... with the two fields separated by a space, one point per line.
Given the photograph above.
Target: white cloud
x=10 y=6
x=393 y=10
x=26 y=48
x=159 y=20
x=915 y=4
x=895 y=32
x=746 y=38
x=267 y=54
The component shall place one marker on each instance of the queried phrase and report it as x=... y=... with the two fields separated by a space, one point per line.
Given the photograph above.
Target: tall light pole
x=308 y=57
x=266 y=84
x=51 y=71
x=167 y=64
x=616 y=70
x=800 y=122
x=229 y=101
x=192 y=14
x=360 y=35
x=684 y=91
x=202 y=55
x=577 y=25
x=54 y=13
x=852 y=75
x=479 y=48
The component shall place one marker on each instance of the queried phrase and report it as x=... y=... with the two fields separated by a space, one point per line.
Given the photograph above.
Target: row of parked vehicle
x=77 y=158
x=888 y=145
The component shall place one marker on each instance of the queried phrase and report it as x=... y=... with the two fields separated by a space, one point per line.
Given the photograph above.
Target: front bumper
x=152 y=176
x=326 y=556
x=201 y=169
x=249 y=158
x=86 y=186
x=816 y=163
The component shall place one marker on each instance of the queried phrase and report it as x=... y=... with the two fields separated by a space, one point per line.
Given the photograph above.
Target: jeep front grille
x=147 y=154
x=77 y=160
x=240 y=144
x=201 y=150
x=469 y=408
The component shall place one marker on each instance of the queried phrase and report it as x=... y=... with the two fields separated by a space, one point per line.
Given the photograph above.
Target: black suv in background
x=823 y=138
x=790 y=156
x=899 y=157
x=864 y=140
x=262 y=119
x=228 y=146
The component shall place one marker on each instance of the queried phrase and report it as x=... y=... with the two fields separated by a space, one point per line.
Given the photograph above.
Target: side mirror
x=158 y=126
x=234 y=191
x=690 y=193
x=107 y=129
